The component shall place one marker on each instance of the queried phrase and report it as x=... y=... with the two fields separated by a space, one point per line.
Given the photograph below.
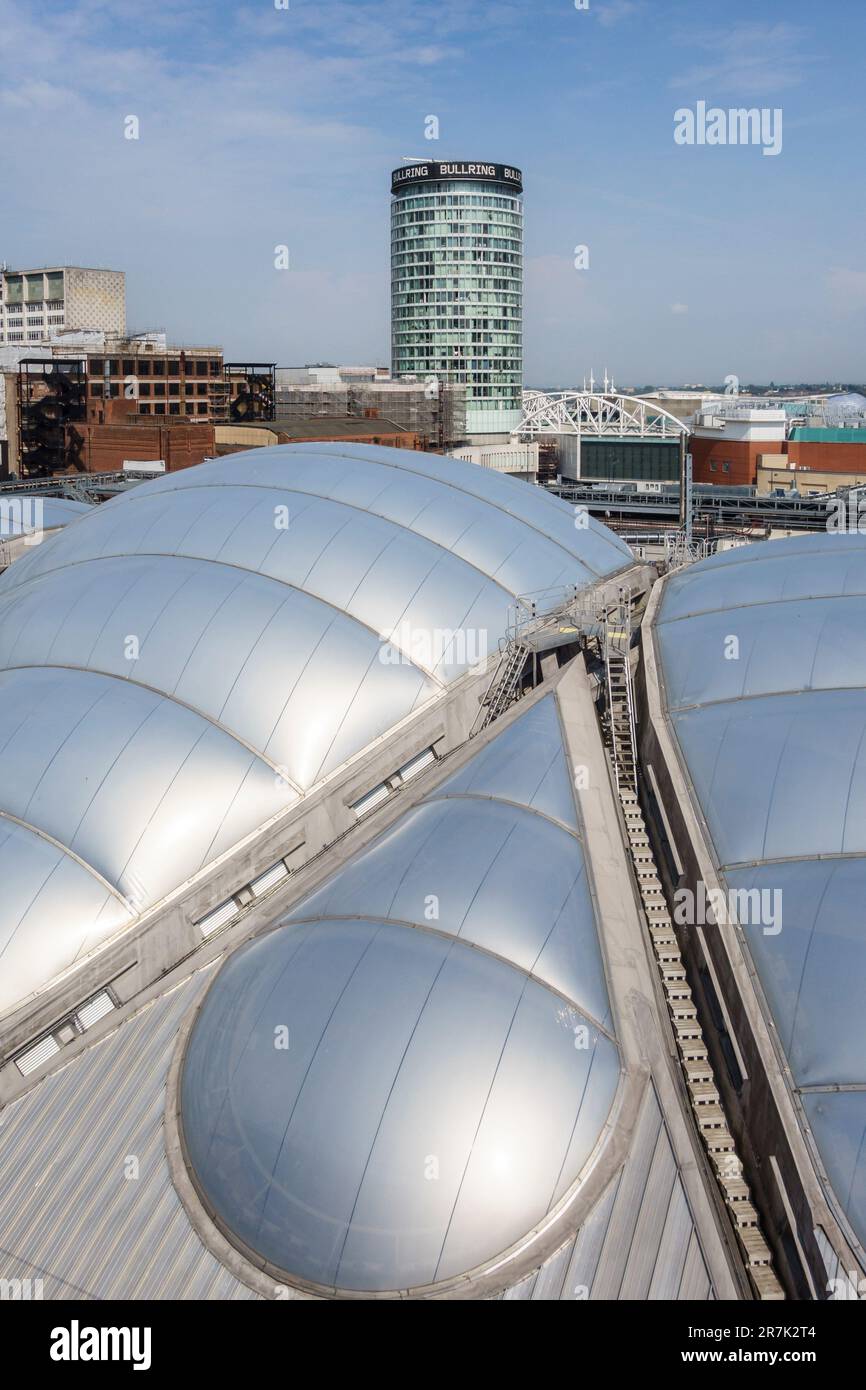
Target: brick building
x=105 y=448
x=828 y=450
x=728 y=439
x=157 y=379
x=748 y=444
x=231 y=439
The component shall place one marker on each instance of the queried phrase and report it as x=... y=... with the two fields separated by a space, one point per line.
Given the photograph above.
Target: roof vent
x=65 y=1032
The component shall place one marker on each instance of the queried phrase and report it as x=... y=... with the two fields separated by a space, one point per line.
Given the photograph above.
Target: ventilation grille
x=403 y=774
x=416 y=765
x=232 y=908
x=267 y=880
x=373 y=798
x=65 y=1032
x=220 y=917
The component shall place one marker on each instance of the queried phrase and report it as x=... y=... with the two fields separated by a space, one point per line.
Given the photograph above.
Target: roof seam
x=316 y=497
x=453 y=937
x=169 y=698
x=68 y=852
x=483 y=1112
x=416 y=473
x=766 y=695
x=770 y=603
x=414 y=1029
x=830 y=856
x=242 y=569
x=444 y=795
x=309 y=1068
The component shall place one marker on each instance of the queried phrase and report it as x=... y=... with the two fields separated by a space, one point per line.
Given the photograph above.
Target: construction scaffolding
x=435 y=412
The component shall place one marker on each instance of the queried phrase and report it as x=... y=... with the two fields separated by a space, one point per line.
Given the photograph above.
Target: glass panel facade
x=457 y=293
x=630 y=459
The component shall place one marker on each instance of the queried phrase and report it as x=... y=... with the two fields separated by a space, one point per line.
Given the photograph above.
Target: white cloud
x=753 y=59
x=679 y=308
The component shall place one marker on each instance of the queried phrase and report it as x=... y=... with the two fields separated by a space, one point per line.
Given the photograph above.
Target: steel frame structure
x=256 y=384
x=597 y=414
x=51 y=394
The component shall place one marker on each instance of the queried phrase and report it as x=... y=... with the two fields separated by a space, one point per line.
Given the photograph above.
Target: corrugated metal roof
x=803 y=435
x=74 y=1214
x=640 y=1240
x=88 y=1204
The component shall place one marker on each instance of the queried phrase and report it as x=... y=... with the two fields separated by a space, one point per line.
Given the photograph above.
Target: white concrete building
x=517 y=458
x=37 y=304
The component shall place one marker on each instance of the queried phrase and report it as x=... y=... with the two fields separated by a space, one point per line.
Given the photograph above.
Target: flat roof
x=428 y=170
x=803 y=435
x=50 y=269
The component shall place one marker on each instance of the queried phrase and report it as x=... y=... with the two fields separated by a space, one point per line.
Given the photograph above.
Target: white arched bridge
x=597 y=414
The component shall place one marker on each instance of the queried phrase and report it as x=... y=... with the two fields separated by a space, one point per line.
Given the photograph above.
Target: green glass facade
x=639 y=460
x=457 y=289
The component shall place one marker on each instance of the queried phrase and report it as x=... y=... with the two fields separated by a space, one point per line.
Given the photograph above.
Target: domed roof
x=24 y=512
x=190 y=658
x=763 y=652
x=845 y=403
x=450 y=1064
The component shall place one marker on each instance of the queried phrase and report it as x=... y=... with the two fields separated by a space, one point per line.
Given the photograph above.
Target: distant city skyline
x=261 y=128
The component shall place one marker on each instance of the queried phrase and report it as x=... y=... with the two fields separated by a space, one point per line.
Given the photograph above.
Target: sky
x=261 y=127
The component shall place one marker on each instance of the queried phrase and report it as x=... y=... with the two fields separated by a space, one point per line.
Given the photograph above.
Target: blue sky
x=261 y=127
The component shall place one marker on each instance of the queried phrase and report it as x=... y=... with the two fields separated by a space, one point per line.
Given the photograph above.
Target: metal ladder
x=544 y=621
x=620 y=715
x=700 y=1082
x=505 y=687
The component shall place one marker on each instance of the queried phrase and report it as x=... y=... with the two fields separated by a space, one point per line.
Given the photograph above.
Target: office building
x=457 y=286
x=36 y=305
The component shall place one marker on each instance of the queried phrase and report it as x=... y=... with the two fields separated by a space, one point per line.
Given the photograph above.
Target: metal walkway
x=81 y=487
x=710 y=1118
x=723 y=507
x=540 y=623
x=620 y=722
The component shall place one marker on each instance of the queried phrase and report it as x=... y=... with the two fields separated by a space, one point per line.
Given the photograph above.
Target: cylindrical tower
x=457 y=285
